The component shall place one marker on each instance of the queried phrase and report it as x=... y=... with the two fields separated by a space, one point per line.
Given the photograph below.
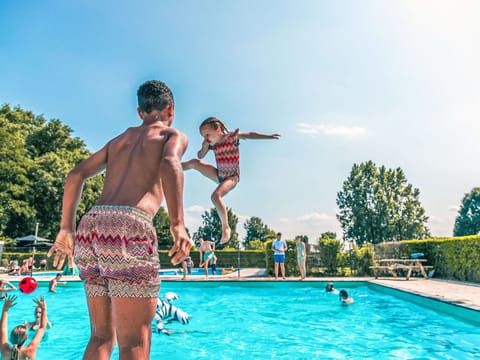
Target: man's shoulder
x=171 y=130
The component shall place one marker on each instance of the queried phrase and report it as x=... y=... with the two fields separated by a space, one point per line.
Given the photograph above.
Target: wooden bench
x=394 y=265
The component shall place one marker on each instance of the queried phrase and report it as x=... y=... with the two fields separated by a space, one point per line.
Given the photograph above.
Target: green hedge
x=455 y=258
x=225 y=258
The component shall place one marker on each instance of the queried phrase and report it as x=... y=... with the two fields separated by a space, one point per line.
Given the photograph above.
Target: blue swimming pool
x=272 y=320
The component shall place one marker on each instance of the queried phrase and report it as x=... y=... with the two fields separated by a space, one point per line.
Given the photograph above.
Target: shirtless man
x=52 y=287
x=115 y=243
x=206 y=251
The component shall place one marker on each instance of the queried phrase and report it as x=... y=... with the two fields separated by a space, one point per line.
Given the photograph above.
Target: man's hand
x=181 y=244
x=63 y=247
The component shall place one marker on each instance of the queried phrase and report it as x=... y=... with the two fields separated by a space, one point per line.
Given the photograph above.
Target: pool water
x=270 y=320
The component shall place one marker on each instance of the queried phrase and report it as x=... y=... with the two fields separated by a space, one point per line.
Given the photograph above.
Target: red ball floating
x=28 y=285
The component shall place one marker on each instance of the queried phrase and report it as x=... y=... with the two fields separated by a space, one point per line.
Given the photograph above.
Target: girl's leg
x=302 y=269
x=204 y=168
x=217 y=199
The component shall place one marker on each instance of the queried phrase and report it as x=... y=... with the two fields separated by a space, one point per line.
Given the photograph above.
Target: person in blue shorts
x=279 y=247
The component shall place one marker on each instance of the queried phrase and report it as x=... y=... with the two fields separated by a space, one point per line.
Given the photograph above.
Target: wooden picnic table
x=408 y=265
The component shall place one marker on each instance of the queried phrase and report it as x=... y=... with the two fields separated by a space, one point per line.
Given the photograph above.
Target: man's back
x=133 y=175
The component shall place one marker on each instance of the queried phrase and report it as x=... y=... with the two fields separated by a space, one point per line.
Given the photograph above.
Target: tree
x=256 y=230
x=212 y=228
x=35 y=157
x=329 y=250
x=468 y=219
x=377 y=204
x=161 y=222
x=303 y=238
x=328 y=235
x=255 y=245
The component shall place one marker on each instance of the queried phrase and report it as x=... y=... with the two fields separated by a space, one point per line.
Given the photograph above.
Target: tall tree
x=377 y=204
x=14 y=167
x=35 y=157
x=161 y=222
x=328 y=235
x=468 y=219
x=212 y=228
x=256 y=230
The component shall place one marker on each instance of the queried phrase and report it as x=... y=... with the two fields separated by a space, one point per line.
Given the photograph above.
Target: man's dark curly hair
x=154 y=95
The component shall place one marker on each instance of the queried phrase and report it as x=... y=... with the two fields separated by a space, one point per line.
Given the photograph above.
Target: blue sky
x=343 y=82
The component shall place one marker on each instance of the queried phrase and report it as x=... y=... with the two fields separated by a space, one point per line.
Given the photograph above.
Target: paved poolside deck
x=452 y=292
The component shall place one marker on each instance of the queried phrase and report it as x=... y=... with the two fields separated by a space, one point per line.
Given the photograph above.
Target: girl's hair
x=18 y=336
x=343 y=294
x=214 y=123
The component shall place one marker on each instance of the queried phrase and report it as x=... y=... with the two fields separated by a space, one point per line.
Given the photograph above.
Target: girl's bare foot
x=225 y=235
x=189 y=164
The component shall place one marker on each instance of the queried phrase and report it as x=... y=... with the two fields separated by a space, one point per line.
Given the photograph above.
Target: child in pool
x=330 y=288
x=224 y=144
x=344 y=298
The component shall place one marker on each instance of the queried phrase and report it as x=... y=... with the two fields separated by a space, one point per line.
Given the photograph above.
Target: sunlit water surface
x=270 y=320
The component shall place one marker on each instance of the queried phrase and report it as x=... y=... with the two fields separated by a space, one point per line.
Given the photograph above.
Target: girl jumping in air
x=224 y=144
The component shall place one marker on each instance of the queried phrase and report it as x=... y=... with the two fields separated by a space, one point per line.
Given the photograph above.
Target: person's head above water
x=19 y=335
x=329 y=287
x=343 y=294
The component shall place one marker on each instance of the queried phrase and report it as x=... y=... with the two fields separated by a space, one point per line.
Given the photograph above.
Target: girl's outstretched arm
x=257 y=136
x=9 y=303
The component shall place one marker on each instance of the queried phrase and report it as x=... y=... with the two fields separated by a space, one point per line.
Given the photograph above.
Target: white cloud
x=315 y=217
x=196 y=209
x=454 y=208
x=312 y=225
x=242 y=218
x=331 y=130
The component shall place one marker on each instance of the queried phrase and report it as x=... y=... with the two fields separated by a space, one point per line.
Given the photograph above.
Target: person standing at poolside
x=279 y=247
x=115 y=243
x=225 y=146
x=187 y=266
x=301 y=258
x=206 y=251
